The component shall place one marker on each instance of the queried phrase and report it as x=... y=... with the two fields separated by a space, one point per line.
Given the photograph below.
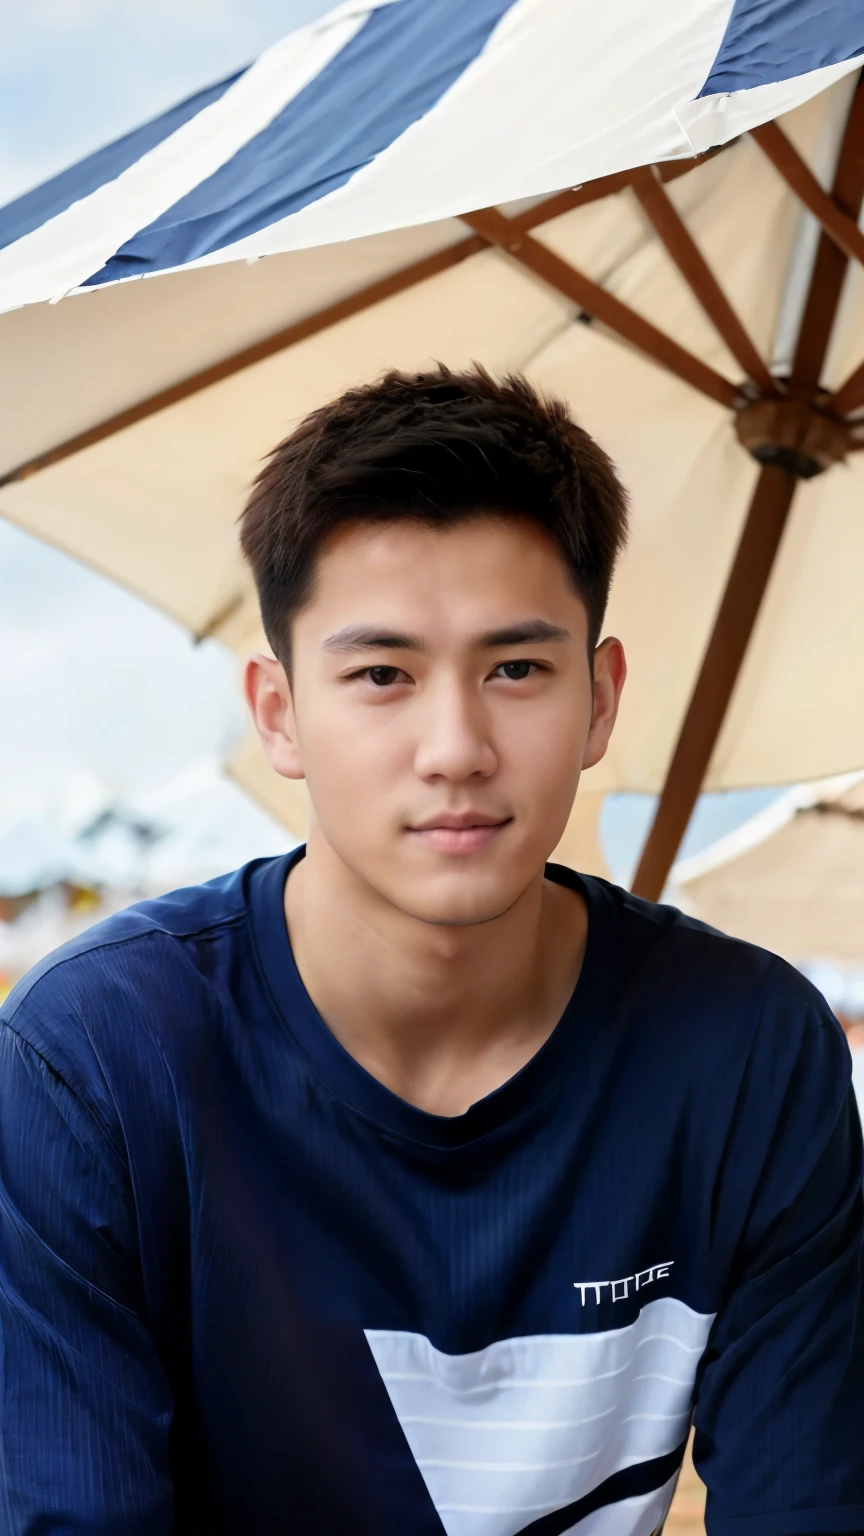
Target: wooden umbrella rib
x=685 y=253
x=830 y=265
x=602 y=305
x=757 y=550
x=850 y=395
x=301 y=330
x=842 y=229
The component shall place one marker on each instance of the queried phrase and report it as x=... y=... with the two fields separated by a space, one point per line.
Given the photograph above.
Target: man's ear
x=268 y=694
x=610 y=670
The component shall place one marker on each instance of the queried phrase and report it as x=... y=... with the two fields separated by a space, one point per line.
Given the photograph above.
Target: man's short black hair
x=436 y=447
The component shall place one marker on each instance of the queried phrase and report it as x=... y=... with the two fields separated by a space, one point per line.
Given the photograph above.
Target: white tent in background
x=400 y=165
x=790 y=879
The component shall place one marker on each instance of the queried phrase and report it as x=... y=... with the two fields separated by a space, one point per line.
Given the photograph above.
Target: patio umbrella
x=596 y=195
x=792 y=879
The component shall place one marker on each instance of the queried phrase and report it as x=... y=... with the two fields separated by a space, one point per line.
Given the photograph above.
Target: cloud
x=66 y=15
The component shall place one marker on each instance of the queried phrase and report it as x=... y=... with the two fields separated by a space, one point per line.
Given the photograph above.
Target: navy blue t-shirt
x=245 y=1288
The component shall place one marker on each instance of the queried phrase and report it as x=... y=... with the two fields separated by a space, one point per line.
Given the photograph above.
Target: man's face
x=441 y=709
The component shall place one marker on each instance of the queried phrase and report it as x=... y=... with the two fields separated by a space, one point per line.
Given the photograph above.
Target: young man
x=404 y=1186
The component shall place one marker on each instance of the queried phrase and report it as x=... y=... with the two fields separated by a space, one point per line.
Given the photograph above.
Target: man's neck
x=441 y=1015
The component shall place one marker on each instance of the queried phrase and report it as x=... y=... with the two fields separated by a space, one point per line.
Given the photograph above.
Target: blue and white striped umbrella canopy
x=403 y=112
x=351 y=156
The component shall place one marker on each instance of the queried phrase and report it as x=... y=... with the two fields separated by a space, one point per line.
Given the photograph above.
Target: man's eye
x=515 y=671
x=383 y=677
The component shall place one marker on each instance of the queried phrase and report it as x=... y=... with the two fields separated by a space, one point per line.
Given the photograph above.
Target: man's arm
x=780 y=1414
x=85 y=1407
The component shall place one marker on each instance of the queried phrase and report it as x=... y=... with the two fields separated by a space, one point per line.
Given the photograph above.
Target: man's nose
x=454 y=734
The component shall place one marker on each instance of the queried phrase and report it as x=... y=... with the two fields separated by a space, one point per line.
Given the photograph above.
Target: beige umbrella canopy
x=792 y=879
x=705 y=320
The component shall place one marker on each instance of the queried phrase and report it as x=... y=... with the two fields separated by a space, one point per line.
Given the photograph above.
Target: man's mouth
x=460 y=832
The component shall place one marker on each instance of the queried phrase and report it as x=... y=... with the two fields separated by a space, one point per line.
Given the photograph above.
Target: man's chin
x=461 y=902
x=460 y=892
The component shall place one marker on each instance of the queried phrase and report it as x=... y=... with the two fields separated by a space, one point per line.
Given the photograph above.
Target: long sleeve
x=85 y=1406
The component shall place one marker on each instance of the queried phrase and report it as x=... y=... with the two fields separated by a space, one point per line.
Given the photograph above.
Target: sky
x=101 y=697
x=75 y=74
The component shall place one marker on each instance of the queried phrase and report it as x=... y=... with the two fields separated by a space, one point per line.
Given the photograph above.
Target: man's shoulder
x=710 y=983
x=126 y=969
x=168 y=923
x=729 y=1036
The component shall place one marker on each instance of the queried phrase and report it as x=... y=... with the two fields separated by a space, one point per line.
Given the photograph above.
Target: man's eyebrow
x=370 y=637
x=529 y=632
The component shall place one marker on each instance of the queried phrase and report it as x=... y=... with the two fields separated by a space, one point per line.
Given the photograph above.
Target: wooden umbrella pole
x=739 y=609
x=758 y=547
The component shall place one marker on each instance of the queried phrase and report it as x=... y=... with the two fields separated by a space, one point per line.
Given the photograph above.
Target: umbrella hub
x=795 y=434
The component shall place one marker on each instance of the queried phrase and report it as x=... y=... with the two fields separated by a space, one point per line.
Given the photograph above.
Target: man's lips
x=469 y=832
